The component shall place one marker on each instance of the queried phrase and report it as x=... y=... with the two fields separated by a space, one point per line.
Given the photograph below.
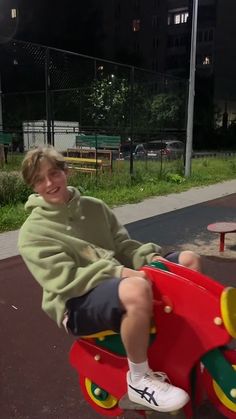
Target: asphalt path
x=36 y=380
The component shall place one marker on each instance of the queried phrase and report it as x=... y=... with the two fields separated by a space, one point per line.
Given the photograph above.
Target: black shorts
x=100 y=309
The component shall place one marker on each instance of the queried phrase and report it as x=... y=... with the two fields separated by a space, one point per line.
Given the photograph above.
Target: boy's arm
x=131 y=253
x=56 y=271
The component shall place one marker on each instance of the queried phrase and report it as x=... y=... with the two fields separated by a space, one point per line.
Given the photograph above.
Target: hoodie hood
x=37 y=201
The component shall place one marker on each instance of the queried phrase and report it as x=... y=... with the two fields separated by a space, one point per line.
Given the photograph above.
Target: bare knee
x=136 y=293
x=191 y=260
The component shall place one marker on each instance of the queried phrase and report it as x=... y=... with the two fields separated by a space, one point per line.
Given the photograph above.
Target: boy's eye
x=54 y=172
x=38 y=179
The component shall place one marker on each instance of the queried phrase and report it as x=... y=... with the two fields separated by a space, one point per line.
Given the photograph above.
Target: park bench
x=99 y=146
x=5 y=138
x=86 y=165
x=91 y=153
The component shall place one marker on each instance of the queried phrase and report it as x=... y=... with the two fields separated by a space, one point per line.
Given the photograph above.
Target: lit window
x=206 y=61
x=136 y=25
x=13 y=13
x=177 y=19
x=180 y=18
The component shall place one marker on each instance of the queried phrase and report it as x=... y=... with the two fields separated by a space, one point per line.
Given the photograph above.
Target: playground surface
x=36 y=378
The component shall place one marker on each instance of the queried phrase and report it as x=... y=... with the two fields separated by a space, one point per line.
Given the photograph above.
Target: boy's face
x=51 y=183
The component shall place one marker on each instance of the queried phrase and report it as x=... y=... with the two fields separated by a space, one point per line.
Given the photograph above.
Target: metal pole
x=47 y=96
x=1 y=120
x=191 y=91
x=131 y=167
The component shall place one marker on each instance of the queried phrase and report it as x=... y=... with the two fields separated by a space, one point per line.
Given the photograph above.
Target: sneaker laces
x=161 y=379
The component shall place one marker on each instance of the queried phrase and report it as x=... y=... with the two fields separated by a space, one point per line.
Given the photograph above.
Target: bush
x=12 y=188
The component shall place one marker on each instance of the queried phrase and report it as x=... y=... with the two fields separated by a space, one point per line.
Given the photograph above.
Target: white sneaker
x=155 y=392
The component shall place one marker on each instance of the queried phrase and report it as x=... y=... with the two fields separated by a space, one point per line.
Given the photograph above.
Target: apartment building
x=156 y=34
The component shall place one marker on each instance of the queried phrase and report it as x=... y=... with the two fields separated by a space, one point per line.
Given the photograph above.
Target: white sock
x=137 y=371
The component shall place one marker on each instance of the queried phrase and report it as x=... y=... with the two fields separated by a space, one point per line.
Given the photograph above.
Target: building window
x=180 y=18
x=156 y=4
x=137 y=5
x=154 y=21
x=205 y=35
x=177 y=41
x=13 y=13
x=199 y=36
x=136 y=25
x=206 y=60
x=117 y=11
x=136 y=46
x=154 y=64
x=210 y=35
x=155 y=42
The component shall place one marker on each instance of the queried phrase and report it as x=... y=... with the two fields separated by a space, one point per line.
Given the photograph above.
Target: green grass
x=119 y=188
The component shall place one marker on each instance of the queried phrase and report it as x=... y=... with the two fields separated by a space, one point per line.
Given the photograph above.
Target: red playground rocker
x=195 y=319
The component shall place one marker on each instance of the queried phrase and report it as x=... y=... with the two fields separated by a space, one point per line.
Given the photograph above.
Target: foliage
x=107 y=100
x=12 y=188
x=175 y=178
x=167 y=111
x=119 y=188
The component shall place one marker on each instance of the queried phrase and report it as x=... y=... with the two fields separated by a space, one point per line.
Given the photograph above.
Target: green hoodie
x=70 y=248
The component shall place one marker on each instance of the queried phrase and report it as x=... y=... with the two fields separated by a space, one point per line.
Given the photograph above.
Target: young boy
x=88 y=267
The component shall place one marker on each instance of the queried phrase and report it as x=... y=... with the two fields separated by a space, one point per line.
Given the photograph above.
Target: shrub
x=174 y=178
x=12 y=188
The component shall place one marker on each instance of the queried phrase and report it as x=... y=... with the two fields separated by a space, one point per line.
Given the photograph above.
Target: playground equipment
x=195 y=320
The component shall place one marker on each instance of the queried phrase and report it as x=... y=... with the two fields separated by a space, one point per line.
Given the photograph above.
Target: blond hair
x=31 y=164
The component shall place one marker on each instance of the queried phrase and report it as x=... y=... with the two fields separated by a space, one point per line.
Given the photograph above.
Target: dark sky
x=72 y=25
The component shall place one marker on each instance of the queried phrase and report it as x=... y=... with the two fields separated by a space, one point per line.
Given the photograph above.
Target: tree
x=107 y=99
x=167 y=111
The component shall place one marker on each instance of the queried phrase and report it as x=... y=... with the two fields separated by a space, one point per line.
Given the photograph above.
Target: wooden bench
x=85 y=165
x=92 y=153
x=222 y=228
x=103 y=146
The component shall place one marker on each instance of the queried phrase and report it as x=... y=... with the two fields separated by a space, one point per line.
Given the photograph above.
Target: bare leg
x=136 y=296
x=191 y=260
x=148 y=388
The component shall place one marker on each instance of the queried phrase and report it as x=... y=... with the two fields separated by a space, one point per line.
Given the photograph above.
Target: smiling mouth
x=53 y=191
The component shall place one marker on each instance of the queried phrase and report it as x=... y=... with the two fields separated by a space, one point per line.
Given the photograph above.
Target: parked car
x=170 y=149
x=125 y=151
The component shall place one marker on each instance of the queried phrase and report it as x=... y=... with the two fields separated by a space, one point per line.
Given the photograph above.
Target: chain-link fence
x=50 y=96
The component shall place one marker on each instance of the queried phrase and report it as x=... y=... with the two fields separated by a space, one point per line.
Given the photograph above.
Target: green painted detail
x=102 y=396
x=159 y=265
x=100 y=141
x=5 y=138
x=114 y=343
x=221 y=371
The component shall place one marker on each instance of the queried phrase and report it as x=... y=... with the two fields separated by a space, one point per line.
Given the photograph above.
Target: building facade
x=156 y=34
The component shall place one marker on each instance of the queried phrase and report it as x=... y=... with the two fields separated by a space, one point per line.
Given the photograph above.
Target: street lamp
x=191 y=91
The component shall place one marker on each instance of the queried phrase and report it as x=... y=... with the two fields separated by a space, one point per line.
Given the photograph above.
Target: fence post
x=131 y=167
x=47 y=96
x=1 y=120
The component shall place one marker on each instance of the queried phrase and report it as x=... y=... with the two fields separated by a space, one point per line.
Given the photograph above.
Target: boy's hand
x=158 y=259
x=128 y=273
